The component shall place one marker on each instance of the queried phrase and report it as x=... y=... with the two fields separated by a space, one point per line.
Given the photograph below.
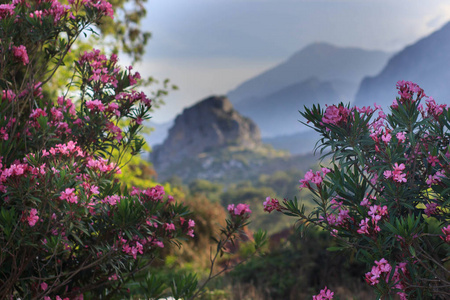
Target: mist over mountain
x=427 y=63
x=159 y=132
x=277 y=113
x=320 y=60
x=297 y=144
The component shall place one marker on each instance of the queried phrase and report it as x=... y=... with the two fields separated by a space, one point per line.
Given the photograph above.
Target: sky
x=208 y=47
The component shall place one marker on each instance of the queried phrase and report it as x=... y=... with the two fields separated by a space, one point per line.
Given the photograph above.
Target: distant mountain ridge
x=426 y=62
x=319 y=73
x=277 y=113
x=320 y=60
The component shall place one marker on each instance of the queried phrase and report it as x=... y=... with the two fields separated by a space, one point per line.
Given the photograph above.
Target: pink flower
x=364 y=226
x=446 y=232
x=95 y=105
x=401 y=136
x=387 y=174
x=21 y=54
x=271 y=204
x=239 y=210
x=169 y=227
x=308 y=176
x=317 y=178
x=432 y=160
x=113 y=277
x=111 y=200
x=386 y=138
x=242 y=209
x=44 y=286
x=94 y=190
x=373 y=276
x=397 y=173
x=33 y=217
x=430 y=209
x=324 y=294
x=6 y=10
x=365 y=202
x=335 y=115
x=155 y=193
x=159 y=244
x=69 y=196
x=36 y=113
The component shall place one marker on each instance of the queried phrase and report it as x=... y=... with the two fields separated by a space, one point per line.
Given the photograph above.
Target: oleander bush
x=385 y=195
x=69 y=227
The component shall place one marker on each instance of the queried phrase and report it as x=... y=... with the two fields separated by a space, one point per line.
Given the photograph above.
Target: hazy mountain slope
x=159 y=132
x=321 y=60
x=297 y=143
x=427 y=63
x=277 y=113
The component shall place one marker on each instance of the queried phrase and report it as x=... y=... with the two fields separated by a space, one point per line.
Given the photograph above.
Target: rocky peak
x=208 y=125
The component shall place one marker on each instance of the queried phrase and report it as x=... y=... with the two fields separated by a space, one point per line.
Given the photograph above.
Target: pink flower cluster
x=380 y=267
x=434 y=110
x=315 y=178
x=33 y=217
x=95 y=105
x=434 y=179
x=69 y=195
x=335 y=115
x=133 y=97
x=6 y=10
x=103 y=70
x=101 y=165
x=397 y=174
x=239 y=210
x=133 y=250
x=407 y=89
x=430 y=209
x=155 y=194
x=68 y=149
x=376 y=212
x=324 y=294
x=190 y=228
x=271 y=204
x=21 y=54
x=104 y=7
x=401 y=136
x=17 y=170
x=382 y=270
x=111 y=200
x=342 y=215
x=137 y=245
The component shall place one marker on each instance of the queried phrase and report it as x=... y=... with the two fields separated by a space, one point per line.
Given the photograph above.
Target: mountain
x=321 y=60
x=427 y=63
x=297 y=144
x=278 y=114
x=210 y=124
x=211 y=140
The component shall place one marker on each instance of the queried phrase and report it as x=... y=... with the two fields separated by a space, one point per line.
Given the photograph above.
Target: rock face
x=210 y=124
